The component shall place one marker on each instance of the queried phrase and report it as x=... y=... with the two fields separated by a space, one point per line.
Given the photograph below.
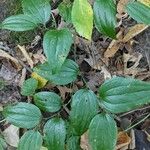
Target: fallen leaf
x=26 y=55
x=11 y=135
x=84 y=144
x=133 y=31
x=63 y=90
x=23 y=76
x=7 y=56
x=121 y=6
x=123 y=140
x=41 y=81
x=114 y=46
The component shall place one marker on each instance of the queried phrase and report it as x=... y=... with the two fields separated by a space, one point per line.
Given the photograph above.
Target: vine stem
x=137 y=123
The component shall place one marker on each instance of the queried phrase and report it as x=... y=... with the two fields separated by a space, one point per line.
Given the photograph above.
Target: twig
x=137 y=123
x=130 y=112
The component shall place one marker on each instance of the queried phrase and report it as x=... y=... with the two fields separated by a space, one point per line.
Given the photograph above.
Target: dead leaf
x=135 y=58
x=106 y=73
x=121 y=6
x=11 y=135
x=84 y=141
x=63 y=90
x=123 y=140
x=114 y=46
x=7 y=56
x=23 y=76
x=133 y=31
x=26 y=55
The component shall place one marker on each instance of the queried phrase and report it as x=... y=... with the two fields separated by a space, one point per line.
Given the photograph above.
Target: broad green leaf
x=105 y=17
x=23 y=115
x=48 y=101
x=19 y=23
x=103 y=132
x=84 y=107
x=29 y=86
x=3 y=144
x=40 y=10
x=124 y=94
x=65 y=11
x=31 y=140
x=73 y=143
x=57 y=45
x=82 y=18
x=55 y=134
x=67 y=74
x=139 y=12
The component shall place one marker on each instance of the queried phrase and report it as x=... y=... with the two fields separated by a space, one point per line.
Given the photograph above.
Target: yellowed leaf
x=26 y=55
x=114 y=46
x=41 y=81
x=133 y=31
x=146 y=2
x=123 y=140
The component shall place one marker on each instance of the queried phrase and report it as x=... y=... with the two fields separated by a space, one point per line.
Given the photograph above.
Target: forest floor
x=98 y=60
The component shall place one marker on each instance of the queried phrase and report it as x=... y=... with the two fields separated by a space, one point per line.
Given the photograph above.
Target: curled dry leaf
x=123 y=140
x=7 y=56
x=11 y=135
x=114 y=46
x=133 y=31
x=26 y=55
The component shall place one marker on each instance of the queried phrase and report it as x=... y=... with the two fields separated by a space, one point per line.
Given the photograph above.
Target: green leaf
x=55 y=134
x=124 y=94
x=29 y=86
x=139 y=12
x=84 y=107
x=19 y=23
x=73 y=143
x=3 y=144
x=23 y=115
x=82 y=18
x=40 y=10
x=31 y=140
x=103 y=132
x=67 y=74
x=105 y=17
x=65 y=11
x=57 y=45
x=48 y=101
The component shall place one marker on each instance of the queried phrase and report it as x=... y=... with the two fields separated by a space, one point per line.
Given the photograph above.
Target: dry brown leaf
x=26 y=55
x=7 y=56
x=84 y=141
x=23 y=76
x=133 y=31
x=123 y=140
x=114 y=46
x=63 y=90
x=121 y=6
x=133 y=70
x=11 y=135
